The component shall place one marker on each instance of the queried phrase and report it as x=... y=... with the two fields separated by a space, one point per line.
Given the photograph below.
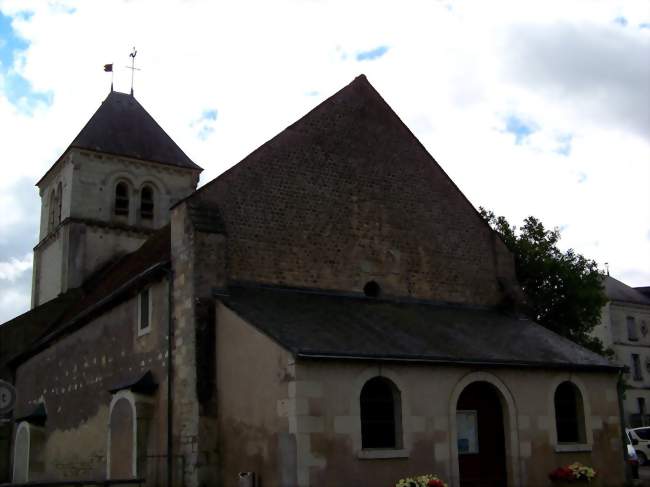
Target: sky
x=532 y=108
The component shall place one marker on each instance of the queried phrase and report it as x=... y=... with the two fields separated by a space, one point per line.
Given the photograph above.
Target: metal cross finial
x=132 y=67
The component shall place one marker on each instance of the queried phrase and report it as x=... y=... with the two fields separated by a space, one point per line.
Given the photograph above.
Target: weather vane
x=132 y=67
x=108 y=68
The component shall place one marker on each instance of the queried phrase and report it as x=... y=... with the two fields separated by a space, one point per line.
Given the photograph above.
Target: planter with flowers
x=576 y=473
x=427 y=480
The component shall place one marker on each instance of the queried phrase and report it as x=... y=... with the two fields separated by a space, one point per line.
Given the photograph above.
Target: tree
x=564 y=290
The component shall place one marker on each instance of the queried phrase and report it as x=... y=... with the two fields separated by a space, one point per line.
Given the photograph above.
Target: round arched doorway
x=481 y=437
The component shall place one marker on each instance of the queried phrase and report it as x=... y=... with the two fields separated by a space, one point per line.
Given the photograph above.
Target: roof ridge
x=356 y=81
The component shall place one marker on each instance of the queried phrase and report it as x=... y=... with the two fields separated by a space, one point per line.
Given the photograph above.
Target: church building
x=331 y=311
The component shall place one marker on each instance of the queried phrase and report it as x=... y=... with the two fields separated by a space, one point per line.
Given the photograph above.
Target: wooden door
x=482 y=463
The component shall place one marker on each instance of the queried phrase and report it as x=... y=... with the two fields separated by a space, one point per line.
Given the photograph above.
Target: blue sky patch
x=10 y=43
x=204 y=125
x=622 y=21
x=373 y=54
x=519 y=128
x=210 y=114
x=17 y=89
x=645 y=25
x=564 y=145
x=24 y=15
x=205 y=132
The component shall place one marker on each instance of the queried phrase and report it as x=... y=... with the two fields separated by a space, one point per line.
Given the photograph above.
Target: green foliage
x=564 y=290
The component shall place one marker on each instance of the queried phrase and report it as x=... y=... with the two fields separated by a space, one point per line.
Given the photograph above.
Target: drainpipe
x=620 y=389
x=170 y=370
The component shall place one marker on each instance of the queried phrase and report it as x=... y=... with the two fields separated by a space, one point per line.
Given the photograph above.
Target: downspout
x=170 y=370
x=620 y=390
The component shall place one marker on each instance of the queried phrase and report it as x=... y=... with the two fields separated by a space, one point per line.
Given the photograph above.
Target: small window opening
x=144 y=304
x=146 y=203
x=121 y=199
x=371 y=289
x=632 y=333
x=636 y=366
x=569 y=414
x=380 y=414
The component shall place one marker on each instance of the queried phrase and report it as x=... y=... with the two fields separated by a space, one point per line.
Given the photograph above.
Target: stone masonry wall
x=198 y=261
x=347 y=195
x=73 y=377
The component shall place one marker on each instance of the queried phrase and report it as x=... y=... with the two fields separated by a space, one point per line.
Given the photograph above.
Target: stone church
x=331 y=311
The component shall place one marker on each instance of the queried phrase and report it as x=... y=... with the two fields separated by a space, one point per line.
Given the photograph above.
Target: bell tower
x=110 y=189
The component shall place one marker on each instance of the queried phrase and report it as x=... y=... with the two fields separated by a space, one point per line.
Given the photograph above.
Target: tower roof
x=121 y=126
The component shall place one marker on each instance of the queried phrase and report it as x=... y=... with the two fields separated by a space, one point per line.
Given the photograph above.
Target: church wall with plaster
x=313 y=436
x=73 y=379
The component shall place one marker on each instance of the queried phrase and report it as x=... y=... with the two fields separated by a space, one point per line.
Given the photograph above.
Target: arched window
x=122 y=440
x=569 y=414
x=29 y=448
x=129 y=422
x=381 y=414
x=59 y=199
x=146 y=203
x=122 y=199
x=21 y=453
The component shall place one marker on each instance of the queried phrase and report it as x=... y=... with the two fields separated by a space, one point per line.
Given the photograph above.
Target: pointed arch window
x=569 y=414
x=381 y=414
x=121 y=199
x=146 y=203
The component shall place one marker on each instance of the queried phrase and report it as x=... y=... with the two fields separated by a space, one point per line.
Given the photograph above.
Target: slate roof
x=107 y=287
x=343 y=327
x=18 y=334
x=154 y=251
x=121 y=126
x=645 y=290
x=618 y=291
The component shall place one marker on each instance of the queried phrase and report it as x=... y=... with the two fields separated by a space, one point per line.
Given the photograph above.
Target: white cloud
x=454 y=72
x=14 y=268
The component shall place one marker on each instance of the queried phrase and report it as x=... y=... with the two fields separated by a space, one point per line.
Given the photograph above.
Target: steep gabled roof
x=347 y=191
x=618 y=291
x=342 y=327
x=122 y=127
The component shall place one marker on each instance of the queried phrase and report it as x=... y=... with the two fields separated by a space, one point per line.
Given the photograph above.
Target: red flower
x=562 y=473
x=435 y=483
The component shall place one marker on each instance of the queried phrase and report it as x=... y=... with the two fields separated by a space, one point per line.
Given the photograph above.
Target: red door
x=482 y=450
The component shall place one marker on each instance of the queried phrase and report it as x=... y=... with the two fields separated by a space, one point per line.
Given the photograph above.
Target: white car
x=640 y=439
x=632 y=458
